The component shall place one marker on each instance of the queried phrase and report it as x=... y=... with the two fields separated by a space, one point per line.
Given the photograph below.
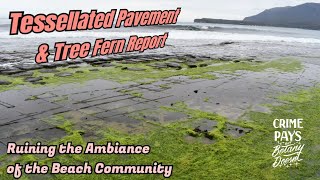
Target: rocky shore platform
x=193 y=101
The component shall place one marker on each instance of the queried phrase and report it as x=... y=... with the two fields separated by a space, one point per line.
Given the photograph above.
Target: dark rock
x=207 y=135
x=205 y=57
x=61 y=63
x=137 y=60
x=225 y=59
x=11 y=71
x=159 y=66
x=116 y=58
x=33 y=79
x=133 y=69
x=39 y=82
x=74 y=62
x=206 y=125
x=98 y=62
x=94 y=70
x=107 y=65
x=48 y=71
x=27 y=73
x=203 y=65
x=74 y=66
x=174 y=65
x=51 y=65
x=217 y=103
x=124 y=68
x=90 y=60
x=236 y=61
x=192 y=65
x=128 y=62
x=197 y=129
x=190 y=56
x=64 y=74
x=101 y=59
x=28 y=66
x=226 y=43
x=3 y=82
x=236 y=131
x=195 y=91
x=191 y=61
x=79 y=72
x=177 y=61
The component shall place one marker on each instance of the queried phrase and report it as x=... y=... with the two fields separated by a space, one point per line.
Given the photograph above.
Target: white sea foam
x=173 y=34
x=202 y=39
x=176 y=34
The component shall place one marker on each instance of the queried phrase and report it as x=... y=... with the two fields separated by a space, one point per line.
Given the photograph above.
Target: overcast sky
x=191 y=9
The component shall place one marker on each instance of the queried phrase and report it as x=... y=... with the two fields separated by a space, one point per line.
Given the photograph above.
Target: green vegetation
x=61 y=99
x=14 y=82
x=132 y=93
x=246 y=157
x=150 y=74
x=32 y=98
x=197 y=115
x=137 y=94
x=164 y=86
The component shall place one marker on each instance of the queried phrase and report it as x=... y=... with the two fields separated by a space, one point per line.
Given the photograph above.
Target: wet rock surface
x=11 y=71
x=190 y=65
x=164 y=116
x=33 y=79
x=107 y=65
x=204 y=125
x=49 y=65
x=174 y=65
x=236 y=131
x=74 y=66
x=93 y=70
x=3 y=82
x=133 y=69
x=226 y=43
x=63 y=74
x=26 y=73
x=203 y=65
x=159 y=65
x=106 y=62
x=98 y=103
x=48 y=71
x=75 y=62
x=28 y=66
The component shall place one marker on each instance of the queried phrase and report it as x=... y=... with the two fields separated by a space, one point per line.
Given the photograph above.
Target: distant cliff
x=305 y=16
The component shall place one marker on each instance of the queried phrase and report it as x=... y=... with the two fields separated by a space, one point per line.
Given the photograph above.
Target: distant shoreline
x=241 y=22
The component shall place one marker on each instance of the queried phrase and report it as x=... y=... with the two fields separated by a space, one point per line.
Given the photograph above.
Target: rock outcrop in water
x=302 y=16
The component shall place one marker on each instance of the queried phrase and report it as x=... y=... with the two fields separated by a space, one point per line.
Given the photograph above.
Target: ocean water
x=184 y=38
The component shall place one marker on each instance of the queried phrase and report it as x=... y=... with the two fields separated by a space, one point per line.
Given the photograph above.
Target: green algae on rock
x=70 y=75
x=228 y=158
